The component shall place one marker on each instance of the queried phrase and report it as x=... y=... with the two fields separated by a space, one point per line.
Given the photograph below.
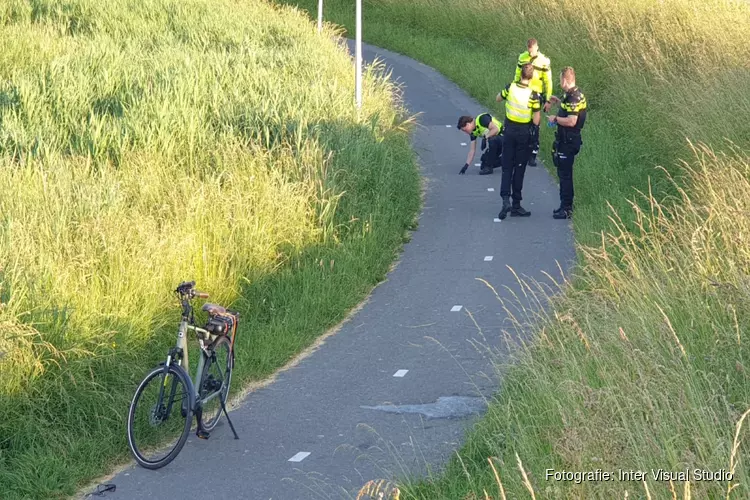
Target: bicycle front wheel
x=160 y=417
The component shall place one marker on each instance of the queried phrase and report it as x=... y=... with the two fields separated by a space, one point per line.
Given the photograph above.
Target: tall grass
x=143 y=143
x=641 y=362
x=643 y=366
x=655 y=72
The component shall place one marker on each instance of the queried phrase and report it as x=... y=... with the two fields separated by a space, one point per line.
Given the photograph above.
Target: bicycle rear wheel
x=161 y=404
x=217 y=375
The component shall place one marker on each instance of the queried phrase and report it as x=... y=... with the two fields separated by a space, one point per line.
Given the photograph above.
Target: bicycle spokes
x=159 y=415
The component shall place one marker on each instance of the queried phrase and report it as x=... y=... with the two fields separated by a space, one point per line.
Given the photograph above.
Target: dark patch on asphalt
x=449 y=407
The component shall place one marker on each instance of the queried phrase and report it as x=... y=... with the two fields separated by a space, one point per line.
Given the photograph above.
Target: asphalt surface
x=344 y=404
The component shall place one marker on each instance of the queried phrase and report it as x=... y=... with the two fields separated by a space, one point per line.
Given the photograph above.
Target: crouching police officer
x=570 y=120
x=522 y=111
x=490 y=129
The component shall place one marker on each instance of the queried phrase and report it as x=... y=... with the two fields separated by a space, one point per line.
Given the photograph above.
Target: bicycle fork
x=178 y=352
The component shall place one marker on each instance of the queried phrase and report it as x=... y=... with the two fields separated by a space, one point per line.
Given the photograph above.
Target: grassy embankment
x=643 y=362
x=147 y=142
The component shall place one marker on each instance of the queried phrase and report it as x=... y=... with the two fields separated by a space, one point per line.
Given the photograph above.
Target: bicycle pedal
x=202 y=434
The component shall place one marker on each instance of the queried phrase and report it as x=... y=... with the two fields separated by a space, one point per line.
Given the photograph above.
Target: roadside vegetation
x=642 y=361
x=147 y=142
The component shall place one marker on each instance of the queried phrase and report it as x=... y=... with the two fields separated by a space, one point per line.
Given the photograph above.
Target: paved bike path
x=342 y=412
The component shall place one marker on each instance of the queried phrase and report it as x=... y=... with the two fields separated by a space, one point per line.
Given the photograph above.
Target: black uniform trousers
x=564 y=151
x=516 y=137
x=534 y=139
x=492 y=155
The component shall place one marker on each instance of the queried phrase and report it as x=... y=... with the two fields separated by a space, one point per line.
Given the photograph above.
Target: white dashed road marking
x=488 y=258
x=400 y=373
x=463 y=144
x=496 y=219
x=300 y=456
x=490 y=189
x=456 y=308
x=477 y=164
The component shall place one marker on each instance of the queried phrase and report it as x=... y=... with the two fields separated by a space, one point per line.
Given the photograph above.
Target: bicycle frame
x=180 y=353
x=202 y=334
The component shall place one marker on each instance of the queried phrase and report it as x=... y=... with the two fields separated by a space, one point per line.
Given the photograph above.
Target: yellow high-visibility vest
x=520 y=102
x=479 y=129
x=542 y=80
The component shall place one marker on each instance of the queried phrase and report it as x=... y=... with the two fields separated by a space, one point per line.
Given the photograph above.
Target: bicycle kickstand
x=224 y=408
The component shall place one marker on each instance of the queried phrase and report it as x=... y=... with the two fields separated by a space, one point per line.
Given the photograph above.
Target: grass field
x=146 y=142
x=642 y=362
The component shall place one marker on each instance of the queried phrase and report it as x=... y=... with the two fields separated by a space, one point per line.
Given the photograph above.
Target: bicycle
x=216 y=337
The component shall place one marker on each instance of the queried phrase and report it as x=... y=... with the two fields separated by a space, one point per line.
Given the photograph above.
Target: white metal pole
x=358 y=79
x=320 y=16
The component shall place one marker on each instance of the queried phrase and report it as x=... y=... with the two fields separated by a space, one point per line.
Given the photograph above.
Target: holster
x=567 y=142
x=555 y=146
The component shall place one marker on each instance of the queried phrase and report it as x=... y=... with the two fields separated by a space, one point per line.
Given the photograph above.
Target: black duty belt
x=511 y=123
x=567 y=133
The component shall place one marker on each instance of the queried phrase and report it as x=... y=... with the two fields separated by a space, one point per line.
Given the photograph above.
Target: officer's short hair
x=463 y=121
x=531 y=43
x=568 y=74
x=527 y=71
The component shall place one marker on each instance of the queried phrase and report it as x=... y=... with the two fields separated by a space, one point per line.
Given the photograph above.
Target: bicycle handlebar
x=186 y=288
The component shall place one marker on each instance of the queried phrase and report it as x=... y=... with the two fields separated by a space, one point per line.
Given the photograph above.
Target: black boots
x=562 y=213
x=515 y=211
x=485 y=162
x=519 y=211
x=506 y=208
x=532 y=160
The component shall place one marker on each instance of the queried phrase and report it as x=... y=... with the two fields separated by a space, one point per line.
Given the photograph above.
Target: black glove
x=484 y=143
x=463 y=170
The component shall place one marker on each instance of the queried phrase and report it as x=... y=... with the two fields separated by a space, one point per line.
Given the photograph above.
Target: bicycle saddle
x=213 y=309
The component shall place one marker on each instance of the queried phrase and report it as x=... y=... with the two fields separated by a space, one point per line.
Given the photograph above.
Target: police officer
x=522 y=110
x=490 y=129
x=541 y=82
x=570 y=119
